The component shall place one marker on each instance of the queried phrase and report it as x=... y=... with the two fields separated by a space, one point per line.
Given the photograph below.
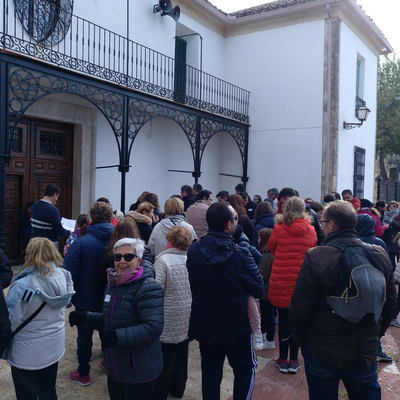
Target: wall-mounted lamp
x=362 y=115
x=166 y=8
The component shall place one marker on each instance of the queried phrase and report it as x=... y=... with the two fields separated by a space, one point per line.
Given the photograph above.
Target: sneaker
x=382 y=356
x=395 y=323
x=257 y=341
x=294 y=366
x=282 y=365
x=80 y=380
x=103 y=364
x=268 y=345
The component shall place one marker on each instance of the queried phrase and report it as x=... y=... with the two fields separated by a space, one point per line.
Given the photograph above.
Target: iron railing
x=389 y=190
x=82 y=46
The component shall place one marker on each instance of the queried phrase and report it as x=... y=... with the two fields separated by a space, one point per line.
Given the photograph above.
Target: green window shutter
x=180 y=70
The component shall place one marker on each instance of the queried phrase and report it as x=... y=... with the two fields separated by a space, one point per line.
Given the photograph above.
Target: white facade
x=279 y=56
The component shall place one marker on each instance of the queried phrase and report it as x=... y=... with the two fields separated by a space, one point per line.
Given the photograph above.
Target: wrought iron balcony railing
x=37 y=29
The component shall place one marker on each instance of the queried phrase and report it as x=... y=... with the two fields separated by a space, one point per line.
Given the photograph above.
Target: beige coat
x=196 y=216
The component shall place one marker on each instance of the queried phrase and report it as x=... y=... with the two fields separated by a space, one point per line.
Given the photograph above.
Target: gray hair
x=137 y=245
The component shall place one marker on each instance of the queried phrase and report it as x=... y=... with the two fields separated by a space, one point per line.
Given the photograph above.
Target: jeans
x=175 y=371
x=125 y=391
x=31 y=384
x=243 y=361
x=85 y=343
x=323 y=379
x=267 y=319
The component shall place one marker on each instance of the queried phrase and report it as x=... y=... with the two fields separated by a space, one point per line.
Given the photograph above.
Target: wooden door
x=41 y=155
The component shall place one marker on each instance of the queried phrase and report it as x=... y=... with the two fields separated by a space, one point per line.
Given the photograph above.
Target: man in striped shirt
x=46 y=217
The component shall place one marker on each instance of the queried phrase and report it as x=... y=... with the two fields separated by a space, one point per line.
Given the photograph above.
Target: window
x=16 y=141
x=360 y=72
x=52 y=144
x=359 y=172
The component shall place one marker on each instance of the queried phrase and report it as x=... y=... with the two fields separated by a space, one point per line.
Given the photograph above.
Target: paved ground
x=270 y=383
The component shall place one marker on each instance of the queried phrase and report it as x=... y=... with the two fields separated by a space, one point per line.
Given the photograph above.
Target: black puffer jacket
x=327 y=335
x=221 y=276
x=136 y=310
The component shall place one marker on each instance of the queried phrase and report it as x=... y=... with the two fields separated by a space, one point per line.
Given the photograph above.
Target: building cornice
x=285 y=13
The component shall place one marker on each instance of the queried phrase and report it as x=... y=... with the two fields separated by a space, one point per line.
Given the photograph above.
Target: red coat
x=289 y=245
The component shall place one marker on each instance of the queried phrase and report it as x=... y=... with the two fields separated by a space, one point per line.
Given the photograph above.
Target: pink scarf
x=116 y=278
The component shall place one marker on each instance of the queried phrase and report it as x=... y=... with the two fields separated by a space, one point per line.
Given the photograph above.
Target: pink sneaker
x=103 y=364
x=80 y=380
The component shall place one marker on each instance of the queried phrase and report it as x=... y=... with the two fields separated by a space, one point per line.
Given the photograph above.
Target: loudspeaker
x=163 y=5
x=175 y=13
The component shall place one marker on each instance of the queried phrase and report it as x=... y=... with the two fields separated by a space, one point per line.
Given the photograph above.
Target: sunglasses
x=233 y=219
x=128 y=257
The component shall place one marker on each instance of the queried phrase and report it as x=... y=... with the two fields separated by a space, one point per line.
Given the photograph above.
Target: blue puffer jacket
x=221 y=276
x=262 y=221
x=243 y=241
x=136 y=310
x=365 y=230
x=81 y=260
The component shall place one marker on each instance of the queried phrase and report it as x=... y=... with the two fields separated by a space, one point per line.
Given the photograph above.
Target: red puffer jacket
x=289 y=245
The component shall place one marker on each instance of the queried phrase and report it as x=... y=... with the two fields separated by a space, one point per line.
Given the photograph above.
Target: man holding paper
x=46 y=217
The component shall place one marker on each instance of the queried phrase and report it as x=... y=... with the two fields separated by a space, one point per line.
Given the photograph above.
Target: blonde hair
x=173 y=206
x=40 y=252
x=293 y=209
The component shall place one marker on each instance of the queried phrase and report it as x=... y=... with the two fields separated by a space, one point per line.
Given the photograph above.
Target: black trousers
x=34 y=384
x=174 y=374
x=125 y=391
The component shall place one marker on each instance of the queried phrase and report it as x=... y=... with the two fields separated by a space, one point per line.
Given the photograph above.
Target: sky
x=385 y=14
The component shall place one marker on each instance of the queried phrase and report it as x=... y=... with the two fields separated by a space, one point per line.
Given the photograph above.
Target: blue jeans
x=323 y=379
x=267 y=319
x=243 y=361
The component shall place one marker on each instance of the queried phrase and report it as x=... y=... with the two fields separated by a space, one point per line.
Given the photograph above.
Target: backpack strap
x=342 y=246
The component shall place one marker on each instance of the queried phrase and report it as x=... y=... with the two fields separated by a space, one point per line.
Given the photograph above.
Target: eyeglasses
x=128 y=257
x=234 y=219
x=24 y=253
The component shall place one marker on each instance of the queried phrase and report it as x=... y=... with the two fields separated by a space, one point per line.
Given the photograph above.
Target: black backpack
x=360 y=291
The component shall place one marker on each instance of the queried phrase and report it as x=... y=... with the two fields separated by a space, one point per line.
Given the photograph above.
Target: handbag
x=4 y=356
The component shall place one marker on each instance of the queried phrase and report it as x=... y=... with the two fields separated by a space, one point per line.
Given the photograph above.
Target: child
x=252 y=311
x=80 y=230
x=266 y=308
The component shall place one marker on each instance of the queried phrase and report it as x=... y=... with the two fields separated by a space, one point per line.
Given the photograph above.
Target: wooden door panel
x=41 y=155
x=13 y=207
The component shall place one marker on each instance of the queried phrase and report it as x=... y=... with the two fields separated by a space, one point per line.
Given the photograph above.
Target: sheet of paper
x=68 y=223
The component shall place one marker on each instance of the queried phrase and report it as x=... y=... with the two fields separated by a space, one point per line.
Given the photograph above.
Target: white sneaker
x=257 y=341
x=268 y=345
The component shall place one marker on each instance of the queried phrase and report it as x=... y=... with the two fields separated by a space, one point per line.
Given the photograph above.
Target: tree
x=388 y=112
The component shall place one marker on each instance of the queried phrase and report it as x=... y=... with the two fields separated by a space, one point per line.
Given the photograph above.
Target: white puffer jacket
x=172 y=274
x=41 y=342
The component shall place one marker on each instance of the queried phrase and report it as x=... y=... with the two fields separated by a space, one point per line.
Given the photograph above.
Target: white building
x=99 y=103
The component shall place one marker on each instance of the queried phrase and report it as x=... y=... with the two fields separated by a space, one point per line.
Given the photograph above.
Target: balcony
x=44 y=32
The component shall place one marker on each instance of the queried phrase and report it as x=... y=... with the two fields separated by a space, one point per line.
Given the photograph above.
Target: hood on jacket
x=365 y=225
x=166 y=224
x=101 y=231
x=298 y=227
x=49 y=287
x=141 y=218
x=217 y=247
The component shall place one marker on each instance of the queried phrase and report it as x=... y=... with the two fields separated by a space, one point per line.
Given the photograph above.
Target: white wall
x=364 y=137
x=283 y=69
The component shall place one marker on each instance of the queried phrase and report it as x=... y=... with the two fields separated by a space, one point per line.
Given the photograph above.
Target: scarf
x=116 y=278
x=394 y=214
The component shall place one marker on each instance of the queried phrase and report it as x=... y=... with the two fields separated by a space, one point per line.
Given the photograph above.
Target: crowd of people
x=222 y=273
